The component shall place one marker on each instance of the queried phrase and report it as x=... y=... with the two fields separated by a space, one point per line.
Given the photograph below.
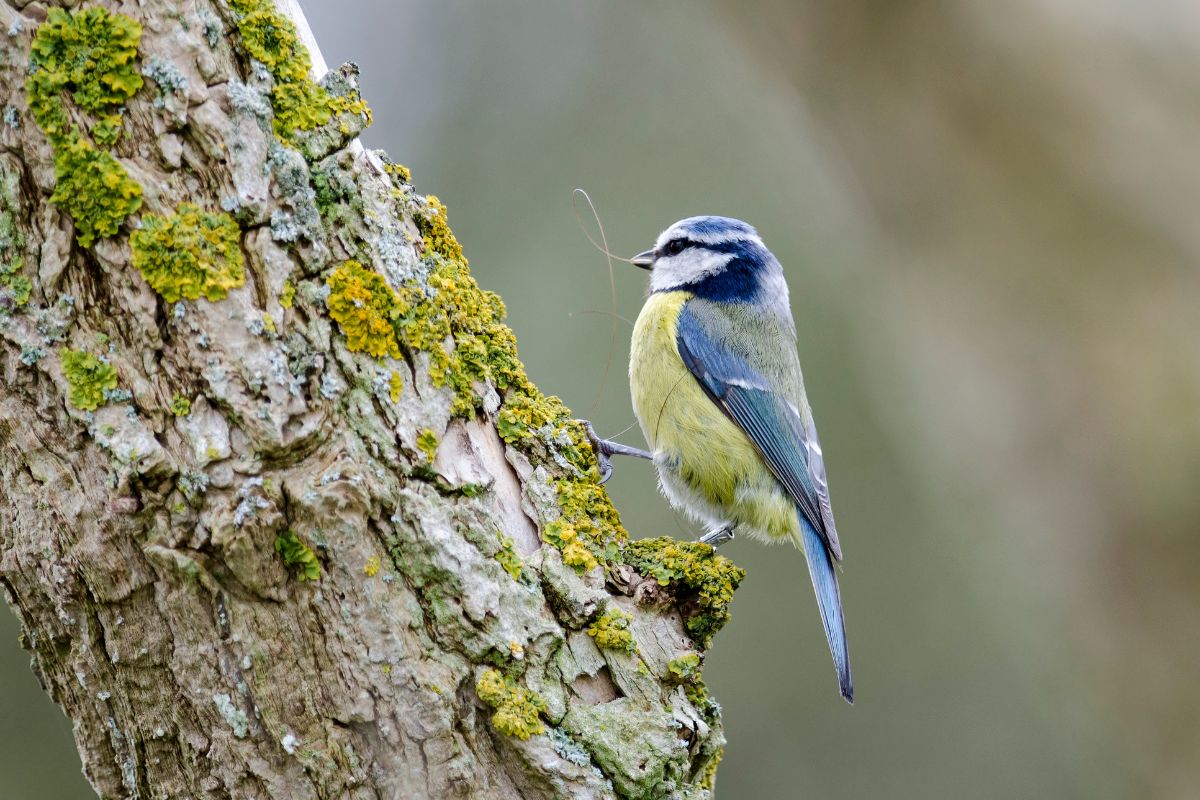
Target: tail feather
x=829 y=601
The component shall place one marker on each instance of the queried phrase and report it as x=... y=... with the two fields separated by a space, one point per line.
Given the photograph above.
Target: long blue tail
x=829 y=600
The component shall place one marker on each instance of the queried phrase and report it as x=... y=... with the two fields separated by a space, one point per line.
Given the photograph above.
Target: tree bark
x=282 y=516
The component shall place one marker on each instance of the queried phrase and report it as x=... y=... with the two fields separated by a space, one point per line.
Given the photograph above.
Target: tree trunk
x=282 y=515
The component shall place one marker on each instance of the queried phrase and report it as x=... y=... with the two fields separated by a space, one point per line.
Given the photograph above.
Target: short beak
x=644 y=259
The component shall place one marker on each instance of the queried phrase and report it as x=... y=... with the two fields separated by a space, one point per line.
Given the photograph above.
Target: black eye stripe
x=676 y=246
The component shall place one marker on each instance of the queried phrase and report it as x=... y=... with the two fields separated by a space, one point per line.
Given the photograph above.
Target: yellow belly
x=707 y=465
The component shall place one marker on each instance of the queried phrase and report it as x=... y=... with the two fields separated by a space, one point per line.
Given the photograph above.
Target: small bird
x=717 y=389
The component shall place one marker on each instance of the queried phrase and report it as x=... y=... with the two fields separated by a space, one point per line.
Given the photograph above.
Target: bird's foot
x=715 y=539
x=605 y=448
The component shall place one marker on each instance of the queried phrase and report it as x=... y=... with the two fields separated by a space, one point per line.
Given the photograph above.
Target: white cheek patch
x=693 y=264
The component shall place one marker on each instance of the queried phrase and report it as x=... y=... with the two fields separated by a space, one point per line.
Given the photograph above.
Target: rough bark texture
x=282 y=516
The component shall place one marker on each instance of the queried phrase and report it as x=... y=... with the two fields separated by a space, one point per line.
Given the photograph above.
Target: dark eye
x=675 y=247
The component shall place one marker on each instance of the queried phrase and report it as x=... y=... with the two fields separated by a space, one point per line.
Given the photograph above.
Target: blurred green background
x=987 y=214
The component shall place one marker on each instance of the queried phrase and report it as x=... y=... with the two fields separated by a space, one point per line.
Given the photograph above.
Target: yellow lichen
x=365 y=307
x=93 y=188
x=611 y=631
x=371 y=568
x=708 y=778
x=435 y=230
x=517 y=709
x=88 y=378
x=297 y=556
x=287 y=295
x=574 y=552
x=684 y=668
x=398 y=171
x=693 y=569
x=300 y=104
x=190 y=254
x=427 y=442
x=181 y=406
x=87 y=55
x=451 y=308
x=395 y=387
x=508 y=558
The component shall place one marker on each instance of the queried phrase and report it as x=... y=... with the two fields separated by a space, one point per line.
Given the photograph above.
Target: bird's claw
x=605 y=448
x=715 y=539
x=603 y=462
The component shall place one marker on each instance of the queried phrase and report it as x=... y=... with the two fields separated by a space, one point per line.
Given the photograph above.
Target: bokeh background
x=989 y=214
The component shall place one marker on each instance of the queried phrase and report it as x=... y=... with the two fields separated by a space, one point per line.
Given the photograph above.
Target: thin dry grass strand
x=602 y=246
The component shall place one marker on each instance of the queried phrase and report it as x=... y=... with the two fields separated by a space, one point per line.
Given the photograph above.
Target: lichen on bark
x=323 y=537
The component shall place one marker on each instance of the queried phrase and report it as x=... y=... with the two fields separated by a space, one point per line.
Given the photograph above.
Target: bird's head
x=715 y=257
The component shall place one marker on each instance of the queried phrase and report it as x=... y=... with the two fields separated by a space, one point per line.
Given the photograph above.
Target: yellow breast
x=688 y=433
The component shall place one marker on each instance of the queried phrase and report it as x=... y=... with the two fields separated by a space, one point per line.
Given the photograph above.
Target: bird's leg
x=715 y=539
x=605 y=448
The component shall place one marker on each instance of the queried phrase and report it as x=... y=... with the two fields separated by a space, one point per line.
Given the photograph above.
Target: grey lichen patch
x=172 y=85
x=234 y=716
x=565 y=746
x=299 y=223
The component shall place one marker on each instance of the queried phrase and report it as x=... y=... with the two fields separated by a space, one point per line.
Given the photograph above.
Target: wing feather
x=787 y=442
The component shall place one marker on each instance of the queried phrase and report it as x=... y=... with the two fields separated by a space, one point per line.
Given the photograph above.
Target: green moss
x=703 y=581
x=508 y=558
x=94 y=189
x=517 y=709
x=337 y=195
x=88 y=55
x=427 y=441
x=190 y=254
x=88 y=377
x=611 y=631
x=181 y=406
x=298 y=557
x=299 y=104
x=366 y=308
x=287 y=295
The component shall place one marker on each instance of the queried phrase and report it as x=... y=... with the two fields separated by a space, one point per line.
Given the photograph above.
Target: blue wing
x=787 y=442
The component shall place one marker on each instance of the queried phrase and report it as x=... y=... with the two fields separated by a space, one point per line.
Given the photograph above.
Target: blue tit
x=717 y=389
